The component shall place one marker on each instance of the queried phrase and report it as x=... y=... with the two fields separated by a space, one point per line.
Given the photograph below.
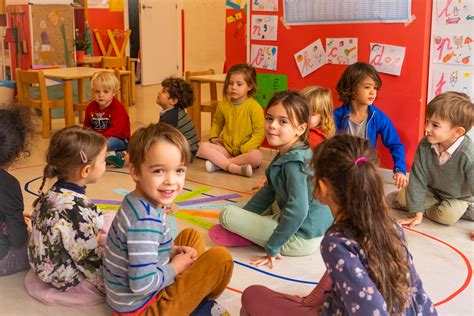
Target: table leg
x=124 y=90
x=81 y=91
x=68 y=105
x=196 y=108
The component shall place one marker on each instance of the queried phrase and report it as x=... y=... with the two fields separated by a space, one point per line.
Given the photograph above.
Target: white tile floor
x=444 y=263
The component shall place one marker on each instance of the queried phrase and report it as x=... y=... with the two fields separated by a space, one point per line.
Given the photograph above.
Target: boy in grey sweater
x=441 y=182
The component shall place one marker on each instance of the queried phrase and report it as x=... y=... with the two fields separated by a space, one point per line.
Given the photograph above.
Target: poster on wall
x=387 y=58
x=265 y=5
x=452 y=78
x=452 y=49
x=268 y=84
x=264 y=27
x=310 y=58
x=53 y=37
x=454 y=12
x=234 y=4
x=264 y=56
x=341 y=51
x=98 y=4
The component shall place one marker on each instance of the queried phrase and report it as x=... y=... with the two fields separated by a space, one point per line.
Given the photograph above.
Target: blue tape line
x=273 y=275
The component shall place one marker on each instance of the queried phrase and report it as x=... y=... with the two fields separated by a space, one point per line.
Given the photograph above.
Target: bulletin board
x=402 y=97
x=53 y=35
x=452 y=48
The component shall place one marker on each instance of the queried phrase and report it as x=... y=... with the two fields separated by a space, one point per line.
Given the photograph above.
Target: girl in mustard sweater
x=237 y=128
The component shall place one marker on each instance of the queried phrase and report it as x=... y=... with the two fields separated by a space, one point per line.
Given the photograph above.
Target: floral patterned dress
x=63 y=248
x=354 y=292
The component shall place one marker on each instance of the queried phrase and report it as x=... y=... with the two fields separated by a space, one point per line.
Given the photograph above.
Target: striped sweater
x=136 y=260
x=178 y=118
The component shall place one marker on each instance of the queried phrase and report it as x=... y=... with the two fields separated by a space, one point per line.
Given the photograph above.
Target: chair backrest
x=213 y=87
x=27 y=78
x=115 y=62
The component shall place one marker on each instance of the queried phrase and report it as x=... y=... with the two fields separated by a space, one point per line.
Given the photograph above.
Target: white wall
x=204 y=34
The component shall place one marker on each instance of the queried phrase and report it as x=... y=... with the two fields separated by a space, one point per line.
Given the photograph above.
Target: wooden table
x=196 y=82
x=80 y=74
x=95 y=60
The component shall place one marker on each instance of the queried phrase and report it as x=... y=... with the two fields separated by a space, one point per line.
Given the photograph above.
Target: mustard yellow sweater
x=240 y=126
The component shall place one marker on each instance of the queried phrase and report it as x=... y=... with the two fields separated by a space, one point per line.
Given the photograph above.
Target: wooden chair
x=120 y=63
x=27 y=78
x=209 y=105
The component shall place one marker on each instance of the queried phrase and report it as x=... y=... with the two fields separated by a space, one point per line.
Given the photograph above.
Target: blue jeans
x=117 y=144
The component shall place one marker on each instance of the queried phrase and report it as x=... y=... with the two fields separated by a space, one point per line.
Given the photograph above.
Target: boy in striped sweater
x=146 y=273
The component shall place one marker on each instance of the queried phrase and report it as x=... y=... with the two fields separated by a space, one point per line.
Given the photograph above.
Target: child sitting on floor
x=321 y=124
x=176 y=95
x=364 y=251
x=16 y=128
x=66 y=264
x=442 y=176
x=146 y=272
x=107 y=115
x=358 y=116
x=295 y=227
x=237 y=128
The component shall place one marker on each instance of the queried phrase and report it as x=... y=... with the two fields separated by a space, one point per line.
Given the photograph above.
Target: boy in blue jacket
x=358 y=116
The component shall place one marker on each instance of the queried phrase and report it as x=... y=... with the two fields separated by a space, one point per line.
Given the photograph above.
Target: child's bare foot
x=472 y=235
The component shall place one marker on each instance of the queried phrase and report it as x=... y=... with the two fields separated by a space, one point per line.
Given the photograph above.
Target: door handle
x=146 y=7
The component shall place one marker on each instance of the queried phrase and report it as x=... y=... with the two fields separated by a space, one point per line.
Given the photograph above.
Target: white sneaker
x=211 y=167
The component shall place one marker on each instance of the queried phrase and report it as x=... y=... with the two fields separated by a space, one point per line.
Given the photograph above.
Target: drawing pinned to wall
x=341 y=51
x=310 y=58
x=234 y=17
x=452 y=78
x=53 y=37
x=265 y=5
x=264 y=27
x=268 y=84
x=387 y=58
x=234 y=4
x=455 y=12
x=264 y=56
x=116 y=5
x=98 y=4
x=452 y=49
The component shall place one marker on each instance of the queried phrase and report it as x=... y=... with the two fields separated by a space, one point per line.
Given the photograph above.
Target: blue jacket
x=377 y=124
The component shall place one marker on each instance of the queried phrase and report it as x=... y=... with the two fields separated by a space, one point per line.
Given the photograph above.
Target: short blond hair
x=106 y=79
x=455 y=107
x=319 y=100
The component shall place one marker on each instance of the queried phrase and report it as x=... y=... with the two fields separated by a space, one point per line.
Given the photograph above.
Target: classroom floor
x=443 y=255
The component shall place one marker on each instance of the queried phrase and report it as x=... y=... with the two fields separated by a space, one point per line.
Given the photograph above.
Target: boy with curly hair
x=175 y=95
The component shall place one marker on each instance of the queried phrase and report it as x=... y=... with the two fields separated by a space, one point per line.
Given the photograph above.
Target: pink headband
x=361 y=159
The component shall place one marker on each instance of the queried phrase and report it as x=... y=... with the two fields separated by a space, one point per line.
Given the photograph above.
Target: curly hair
x=347 y=85
x=180 y=90
x=16 y=131
x=357 y=188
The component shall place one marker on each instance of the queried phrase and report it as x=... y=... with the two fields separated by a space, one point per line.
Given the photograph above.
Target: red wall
x=402 y=98
x=103 y=19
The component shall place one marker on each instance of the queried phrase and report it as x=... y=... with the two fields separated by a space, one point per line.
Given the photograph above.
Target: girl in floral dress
x=67 y=227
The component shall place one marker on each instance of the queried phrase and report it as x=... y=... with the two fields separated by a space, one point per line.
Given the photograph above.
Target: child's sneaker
x=211 y=167
x=246 y=170
x=210 y=308
x=115 y=161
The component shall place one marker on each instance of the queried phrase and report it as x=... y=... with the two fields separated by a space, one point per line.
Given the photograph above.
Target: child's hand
x=184 y=249
x=216 y=140
x=181 y=262
x=265 y=260
x=260 y=185
x=413 y=221
x=400 y=179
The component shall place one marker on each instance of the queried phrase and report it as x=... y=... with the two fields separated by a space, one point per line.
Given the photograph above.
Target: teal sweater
x=289 y=182
x=453 y=180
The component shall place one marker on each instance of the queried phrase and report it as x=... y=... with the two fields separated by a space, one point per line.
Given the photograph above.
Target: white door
x=160 y=44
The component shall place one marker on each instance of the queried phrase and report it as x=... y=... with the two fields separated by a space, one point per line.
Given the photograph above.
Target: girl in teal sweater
x=295 y=226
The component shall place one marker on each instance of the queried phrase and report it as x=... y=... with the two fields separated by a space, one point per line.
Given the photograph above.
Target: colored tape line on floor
x=193 y=220
x=210 y=199
x=192 y=194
